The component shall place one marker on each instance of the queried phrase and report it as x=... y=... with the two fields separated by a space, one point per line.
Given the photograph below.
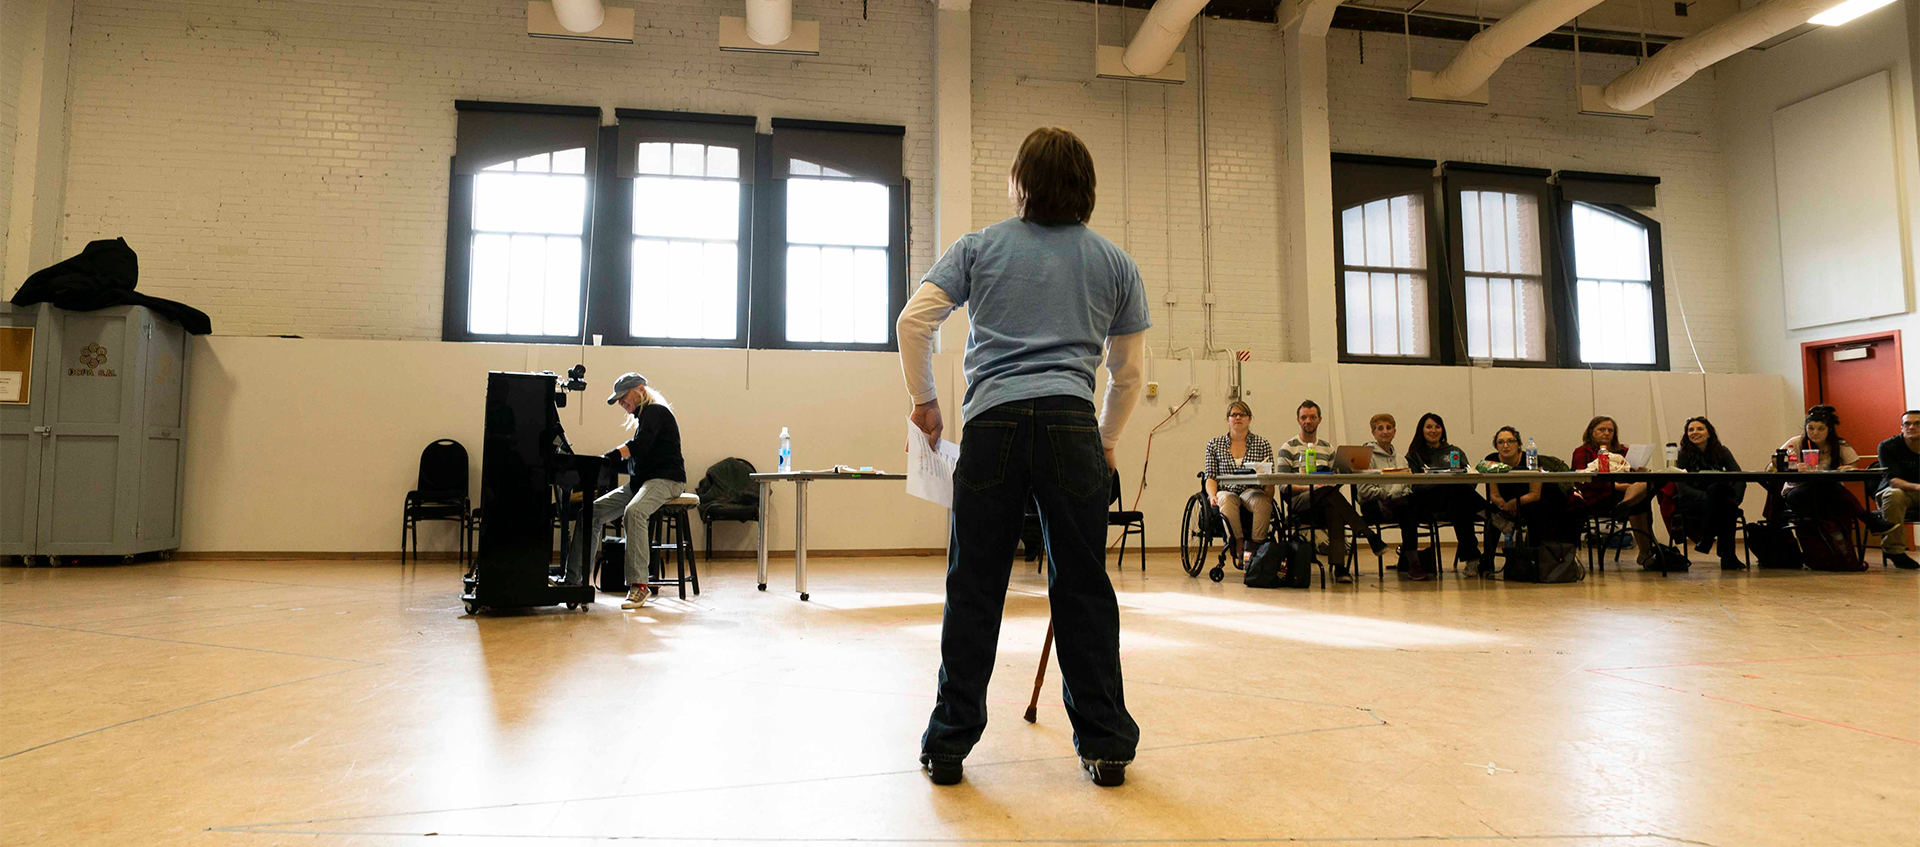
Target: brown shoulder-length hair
x=1053 y=178
x=1587 y=437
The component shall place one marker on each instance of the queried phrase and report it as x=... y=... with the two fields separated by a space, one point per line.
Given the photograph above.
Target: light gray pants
x=1896 y=506
x=634 y=508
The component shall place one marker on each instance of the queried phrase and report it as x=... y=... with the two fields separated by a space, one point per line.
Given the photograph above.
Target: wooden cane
x=1040 y=676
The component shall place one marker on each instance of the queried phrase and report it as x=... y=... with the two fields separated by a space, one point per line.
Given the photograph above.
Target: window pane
x=572 y=161
x=822 y=211
x=487 y=285
x=723 y=162
x=529 y=203
x=1413 y=315
x=686 y=264
x=720 y=291
x=1409 y=231
x=1478 y=346
x=562 y=306
x=1379 y=242
x=534 y=164
x=1386 y=317
x=1359 y=310
x=1353 y=235
x=836 y=294
x=686 y=208
x=870 y=296
x=656 y=157
x=801 y=167
x=647 y=317
x=526 y=284
x=689 y=160
x=1500 y=318
x=1530 y=317
x=803 y=293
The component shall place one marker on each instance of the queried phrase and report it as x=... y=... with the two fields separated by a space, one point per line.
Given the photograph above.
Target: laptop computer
x=1350 y=459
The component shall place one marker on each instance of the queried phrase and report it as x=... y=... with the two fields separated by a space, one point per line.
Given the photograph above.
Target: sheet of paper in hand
x=930 y=469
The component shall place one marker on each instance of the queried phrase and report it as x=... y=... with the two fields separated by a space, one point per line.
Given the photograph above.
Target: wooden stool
x=671 y=533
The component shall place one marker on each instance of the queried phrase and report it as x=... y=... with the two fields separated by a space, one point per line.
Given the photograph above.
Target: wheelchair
x=1200 y=525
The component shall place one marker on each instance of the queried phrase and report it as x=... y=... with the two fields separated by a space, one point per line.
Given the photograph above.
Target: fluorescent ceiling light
x=1846 y=11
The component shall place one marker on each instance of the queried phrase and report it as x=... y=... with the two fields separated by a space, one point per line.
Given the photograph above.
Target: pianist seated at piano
x=656 y=474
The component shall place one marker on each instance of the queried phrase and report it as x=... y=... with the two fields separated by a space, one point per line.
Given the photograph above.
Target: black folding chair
x=439 y=494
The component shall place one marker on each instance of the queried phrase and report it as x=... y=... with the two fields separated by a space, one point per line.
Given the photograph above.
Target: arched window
x=1384 y=277
x=528 y=218
x=1613 y=296
x=685 y=273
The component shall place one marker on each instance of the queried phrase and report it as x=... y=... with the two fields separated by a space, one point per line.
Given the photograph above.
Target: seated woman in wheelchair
x=1239 y=450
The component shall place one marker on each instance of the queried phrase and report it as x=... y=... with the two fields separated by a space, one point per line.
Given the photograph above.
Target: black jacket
x=103 y=275
x=654 y=450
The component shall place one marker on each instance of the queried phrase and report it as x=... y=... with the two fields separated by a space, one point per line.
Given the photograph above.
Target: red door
x=1862 y=379
x=1864 y=382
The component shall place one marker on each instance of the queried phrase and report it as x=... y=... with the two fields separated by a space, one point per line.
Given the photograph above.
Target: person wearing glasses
x=1240 y=450
x=1900 y=455
x=1825 y=499
x=1530 y=505
x=1707 y=510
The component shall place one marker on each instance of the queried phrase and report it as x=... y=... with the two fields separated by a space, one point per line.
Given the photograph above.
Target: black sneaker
x=1729 y=563
x=1377 y=544
x=1880 y=525
x=1105 y=774
x=1339 y=575
x=942 y=771
x=1902 y=561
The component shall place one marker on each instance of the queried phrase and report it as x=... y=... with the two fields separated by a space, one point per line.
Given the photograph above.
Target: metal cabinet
x=92 y=464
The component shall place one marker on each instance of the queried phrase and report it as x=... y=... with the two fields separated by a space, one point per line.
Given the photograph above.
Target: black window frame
x=455 y=302
x=768 y=321
x=613 y=253
x=1458 y=177
x=1359 y=179
x=1624 y=195
x=607 y=237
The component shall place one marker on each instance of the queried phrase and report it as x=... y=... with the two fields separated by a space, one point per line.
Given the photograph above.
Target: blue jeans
x=1046 y=450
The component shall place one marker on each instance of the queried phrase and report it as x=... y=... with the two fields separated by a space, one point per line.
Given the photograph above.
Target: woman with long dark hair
x=1629 y=500
x=1824 y=498
x=1707 y=510
x=1461 y=505
x=1539 y=508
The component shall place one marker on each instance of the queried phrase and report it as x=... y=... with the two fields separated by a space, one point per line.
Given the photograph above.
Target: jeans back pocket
x=985 y=447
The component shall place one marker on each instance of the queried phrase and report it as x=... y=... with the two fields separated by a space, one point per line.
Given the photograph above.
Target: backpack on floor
x=1828 y=545
x=1264 y=570
x=1553 y=561
x=1773 y=546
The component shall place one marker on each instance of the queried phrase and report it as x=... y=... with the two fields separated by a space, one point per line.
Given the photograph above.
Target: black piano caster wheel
x=1218 y=573
x=472 y=608
x=571 y=606
x=763 y=586
x=803 y=596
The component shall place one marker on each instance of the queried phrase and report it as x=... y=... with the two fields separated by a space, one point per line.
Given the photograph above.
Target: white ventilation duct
x=1159 y=34
x=1483 y=54
x=769 y=21
x=1686 y=57
x=580 y=15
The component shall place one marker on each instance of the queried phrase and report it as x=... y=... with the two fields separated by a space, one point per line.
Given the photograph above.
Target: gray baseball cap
x=627 y=382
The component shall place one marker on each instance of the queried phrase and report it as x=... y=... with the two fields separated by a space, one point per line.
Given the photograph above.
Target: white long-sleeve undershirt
x=930 y=306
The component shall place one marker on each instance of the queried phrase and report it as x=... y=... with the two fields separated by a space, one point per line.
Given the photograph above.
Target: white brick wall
x=1533 y=122
x=13 y=47
x=1033 y=66
x=282 y=164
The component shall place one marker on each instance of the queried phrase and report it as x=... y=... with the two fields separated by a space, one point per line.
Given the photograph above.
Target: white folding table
x=800 y=479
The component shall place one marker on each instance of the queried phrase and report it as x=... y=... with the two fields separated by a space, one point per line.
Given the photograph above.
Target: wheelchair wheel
x=1194 y=540
x=1217 y=574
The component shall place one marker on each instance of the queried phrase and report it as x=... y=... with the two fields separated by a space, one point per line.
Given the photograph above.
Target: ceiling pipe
x=1680 y=60
x=1159 y=35
x=769 y=22
x=1484 y=53
x=580 y=15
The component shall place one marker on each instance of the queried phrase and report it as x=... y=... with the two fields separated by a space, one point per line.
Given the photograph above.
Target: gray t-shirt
x=1042 y=300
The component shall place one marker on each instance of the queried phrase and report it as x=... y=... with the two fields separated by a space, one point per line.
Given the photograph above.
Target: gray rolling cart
x=92 y=432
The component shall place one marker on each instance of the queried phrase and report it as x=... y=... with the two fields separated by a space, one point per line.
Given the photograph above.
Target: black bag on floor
x=1280 y=564
x=1828 y=545
x=1773 y=546
x=1554 y=561
x=612 y=564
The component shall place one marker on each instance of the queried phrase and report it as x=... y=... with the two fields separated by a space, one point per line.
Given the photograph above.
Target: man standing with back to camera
x=1045 y=294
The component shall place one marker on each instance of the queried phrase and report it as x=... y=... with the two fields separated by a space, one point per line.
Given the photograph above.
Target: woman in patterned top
x=1239 y=448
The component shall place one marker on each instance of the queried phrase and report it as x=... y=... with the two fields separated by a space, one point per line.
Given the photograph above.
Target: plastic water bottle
x=786 y=451
x=1309 y=464
x=1533 y=455
x=1453 y=460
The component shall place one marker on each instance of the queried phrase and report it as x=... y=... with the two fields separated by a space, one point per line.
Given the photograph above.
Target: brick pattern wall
x=1533 y=122
x=283 y=164
x=13 y=47
x=1033 y=66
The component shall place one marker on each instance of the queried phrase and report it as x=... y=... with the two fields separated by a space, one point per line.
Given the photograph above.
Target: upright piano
x=528 y=476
